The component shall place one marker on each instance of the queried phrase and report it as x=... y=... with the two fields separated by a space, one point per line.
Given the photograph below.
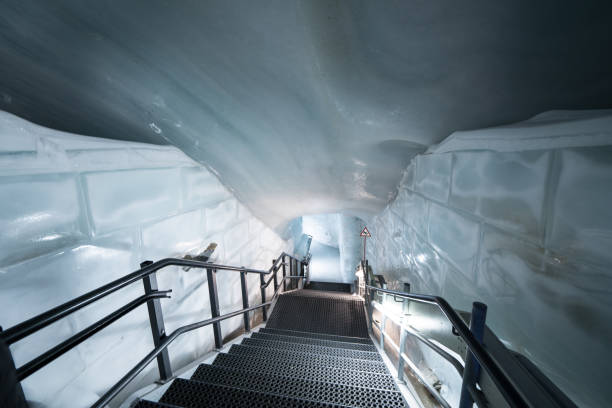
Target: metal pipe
x=156 y=321
x=284 y=274
x=499 y=377
x=415 y=370
x=42 y=360
x=245 y=301
x=262 y=289
x=443 y=353
x=214 y=306
x=417 y=373
x=471 y=375
x=400 y=362
x=24 y=329
x=125 y=380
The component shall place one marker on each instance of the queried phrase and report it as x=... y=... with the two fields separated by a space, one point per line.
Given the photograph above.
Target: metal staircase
x=319 y=357
x=315 y=349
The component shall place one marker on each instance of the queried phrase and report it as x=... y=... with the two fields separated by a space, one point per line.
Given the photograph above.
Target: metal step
x=329 y=286
x=151 y=404
x=194 y=394
x=324 y=294
x=327 y=313
x=299 y=388
x=318 y=336
x=366 y=366
x=307 y=371
x=312 y=349
x=316 y=342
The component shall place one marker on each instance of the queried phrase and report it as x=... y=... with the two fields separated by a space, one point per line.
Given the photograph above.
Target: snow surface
x=517 y=217
x=78 y=212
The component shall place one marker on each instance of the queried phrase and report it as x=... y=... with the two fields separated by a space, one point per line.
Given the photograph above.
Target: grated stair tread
x=344 y=288
x=312 y=349
x=318 y=336
x=324 y=312
x=151 y=404
x=336 y=295
x=296 y=357
x=194 y=394
x=310 y=390
x=307 y=371
x=317 y=342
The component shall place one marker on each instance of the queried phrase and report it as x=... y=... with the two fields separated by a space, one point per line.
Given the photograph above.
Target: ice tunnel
x=353 y=204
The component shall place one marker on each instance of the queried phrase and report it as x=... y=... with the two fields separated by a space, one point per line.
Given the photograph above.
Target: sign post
x=365 y=234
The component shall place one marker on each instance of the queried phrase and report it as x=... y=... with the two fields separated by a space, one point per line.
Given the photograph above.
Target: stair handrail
x=142 y=364
x=147 y=273
x=42 y=320
x=482 y=356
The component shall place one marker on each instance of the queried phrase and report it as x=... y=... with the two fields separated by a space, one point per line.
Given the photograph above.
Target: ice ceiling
x=301 y=107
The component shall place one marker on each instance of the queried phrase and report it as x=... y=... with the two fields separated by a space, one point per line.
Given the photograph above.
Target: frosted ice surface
x=508 y=189
x=222 y=216
x=460 y=291
x=538 y=306
x=119 y=199
x=302 y=246
x=455 y=235
x=506 y=265
x=407 y=180
x=350 y=246
x=546 y=131
x=325 y=264
x=39 y=214
x=429 y=268
x=175 y=235
x=433 y=175
x=200 y=188
x=255 y=228
x=322 y=227
x=236 y=238
x=86 y=211
x=582 y=228
x=417 y=212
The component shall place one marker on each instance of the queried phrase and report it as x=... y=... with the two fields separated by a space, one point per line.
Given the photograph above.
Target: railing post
x=275 y=272
x=214 y=305
x=290 y=273
x=370 y=296
x=302 y=274
x=262 y=283
x=284 y=274
x=383 y=323
x=384 y=317
x=403 y=335
x=402 y=346
x=406 y=302
x=156 y=319
x=245 y=301
x=471 y=372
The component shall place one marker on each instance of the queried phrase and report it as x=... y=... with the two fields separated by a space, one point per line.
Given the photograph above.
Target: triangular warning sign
x=365 y=232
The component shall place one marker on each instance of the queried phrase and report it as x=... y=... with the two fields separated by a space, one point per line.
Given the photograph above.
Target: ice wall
x=525 y=227
x=338 y=241
x=77 y=212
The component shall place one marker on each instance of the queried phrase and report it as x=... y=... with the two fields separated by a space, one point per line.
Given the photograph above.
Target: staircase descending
x=315 y=351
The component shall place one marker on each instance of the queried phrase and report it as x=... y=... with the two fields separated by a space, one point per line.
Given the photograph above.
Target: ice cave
x=305 y=203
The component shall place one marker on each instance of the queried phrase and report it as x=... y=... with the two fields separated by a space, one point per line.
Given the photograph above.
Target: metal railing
x=297 y=270
x=477 y=356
